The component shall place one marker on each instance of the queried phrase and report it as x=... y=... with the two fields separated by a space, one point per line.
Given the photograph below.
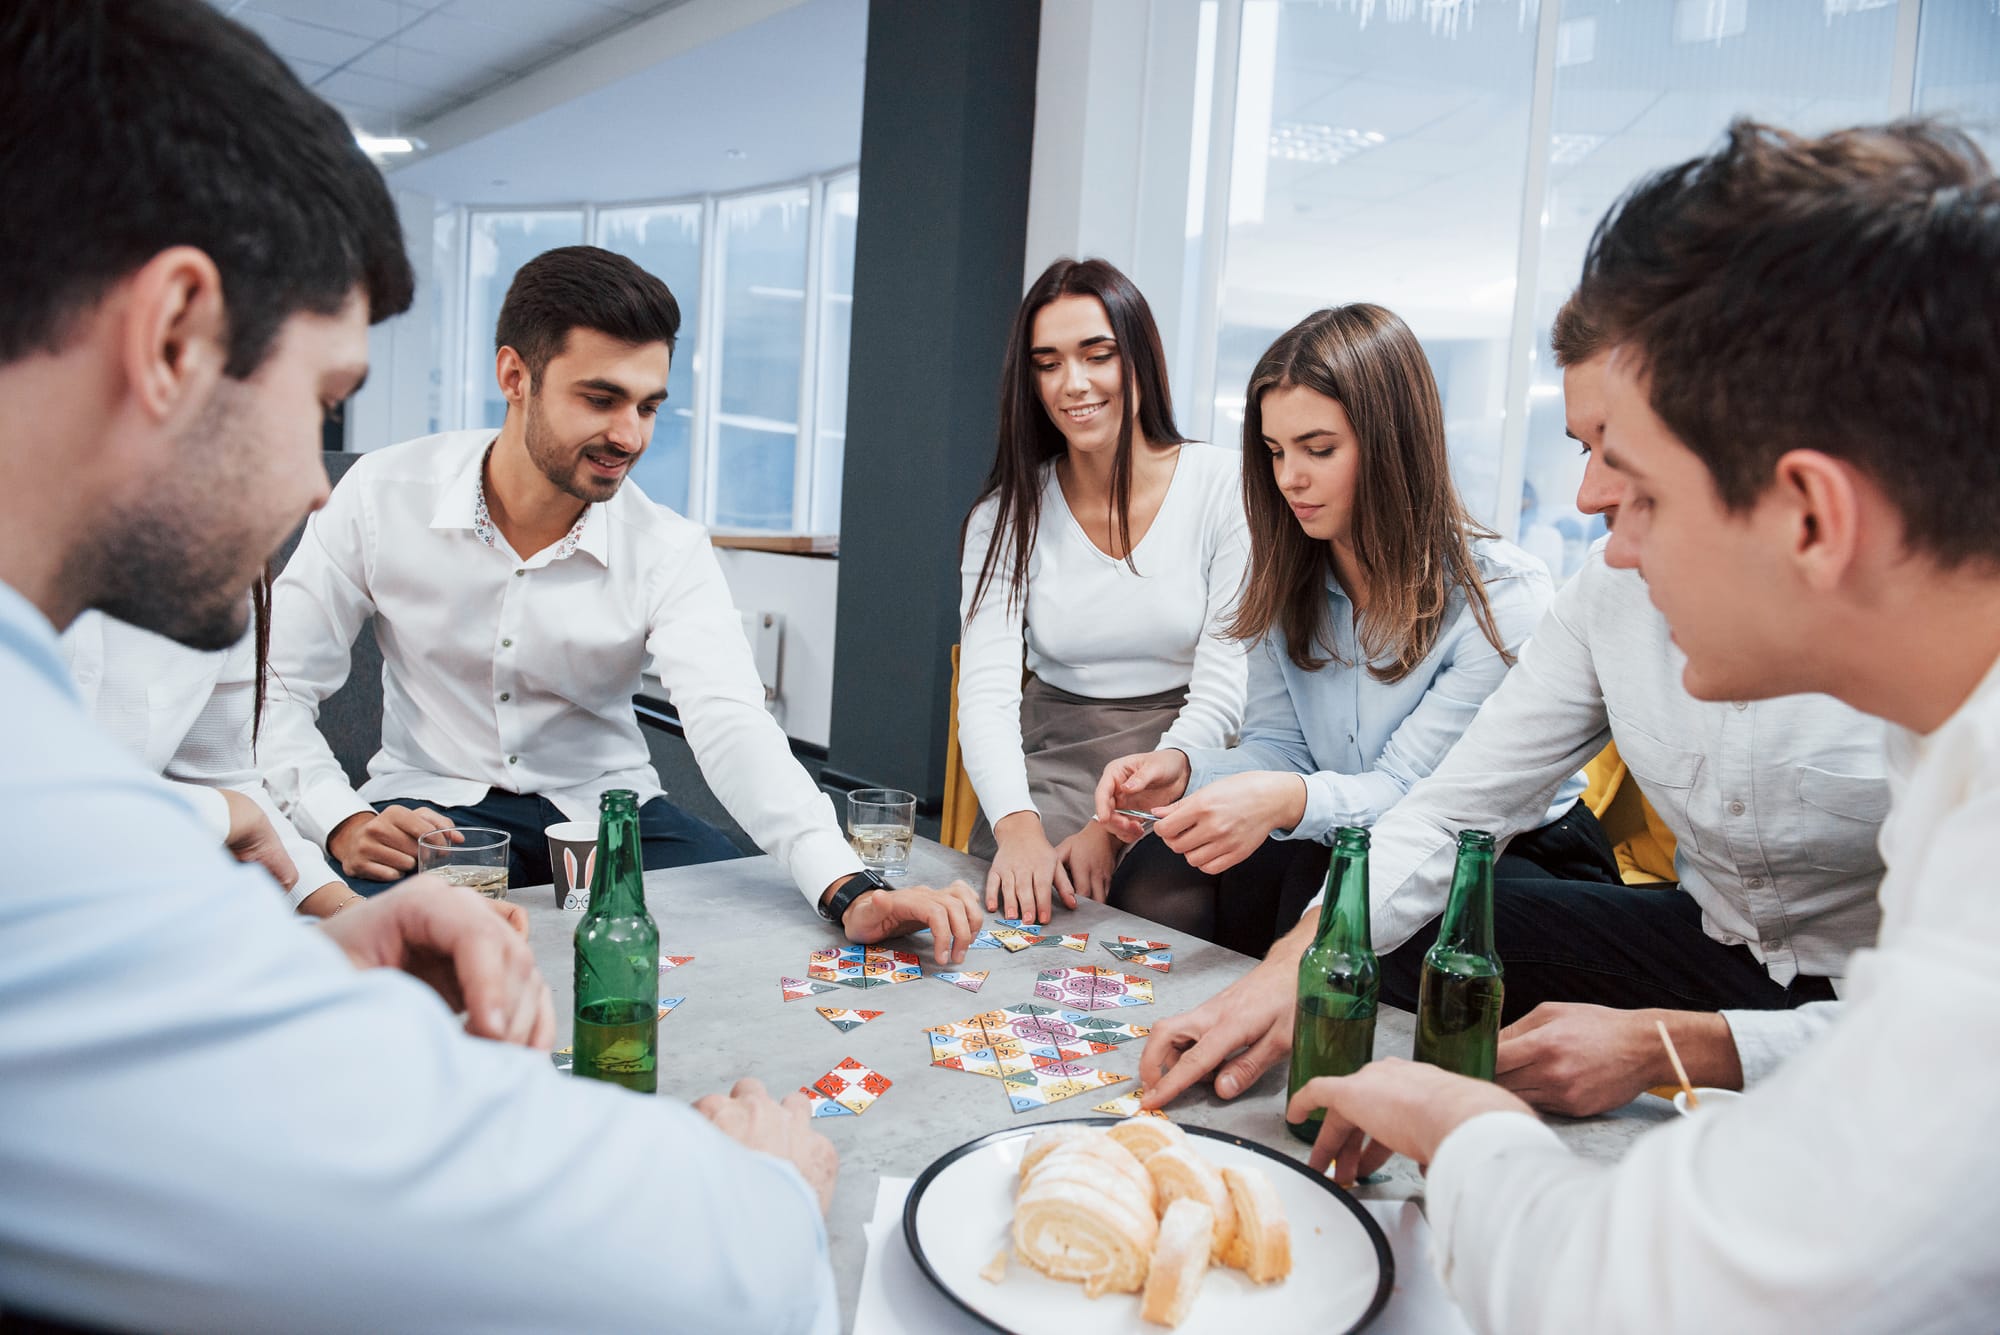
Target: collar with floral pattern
x=482 y=523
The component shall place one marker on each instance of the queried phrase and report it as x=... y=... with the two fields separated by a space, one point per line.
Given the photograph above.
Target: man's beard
x=568 y=472
x=182 y=562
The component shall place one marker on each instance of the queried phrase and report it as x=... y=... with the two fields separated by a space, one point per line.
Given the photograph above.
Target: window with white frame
x=750 y=438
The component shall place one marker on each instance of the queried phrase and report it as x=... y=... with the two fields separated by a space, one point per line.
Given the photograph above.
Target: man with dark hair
x=1774 y=805
x=211 y=1117
x=1789 y=319
x=518 y=587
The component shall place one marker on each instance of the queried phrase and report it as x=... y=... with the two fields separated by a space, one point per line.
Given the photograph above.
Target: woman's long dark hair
x=260 y=618
x=1028 y=439
x=1412 y=534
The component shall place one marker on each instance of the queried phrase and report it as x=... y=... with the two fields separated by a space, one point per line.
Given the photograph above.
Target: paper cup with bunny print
x=573 y=857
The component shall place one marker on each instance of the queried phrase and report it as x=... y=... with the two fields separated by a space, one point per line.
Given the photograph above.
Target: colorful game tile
x=1091 y=988
x=1033 y=1050
x=848 y=1090
x=796 y=989
x=865 y=966
x=671 y=962
x=971 y=981
x=1127 y=1105
x=564 y=1059
x=1048 y=1084
x=1152 y=954
x=667 y=1005
x=846 y=1020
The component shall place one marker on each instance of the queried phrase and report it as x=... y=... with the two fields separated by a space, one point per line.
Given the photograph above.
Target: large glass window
x=665 y=241
x=1381 y=162
x=760 y=356
x=839 y=212
x=1958 y=66
x=497 y=244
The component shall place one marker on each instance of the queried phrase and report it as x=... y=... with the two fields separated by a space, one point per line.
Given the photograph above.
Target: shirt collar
x=463 y=506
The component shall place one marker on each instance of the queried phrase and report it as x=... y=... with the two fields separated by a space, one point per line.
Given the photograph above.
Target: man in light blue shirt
x=212 y=1117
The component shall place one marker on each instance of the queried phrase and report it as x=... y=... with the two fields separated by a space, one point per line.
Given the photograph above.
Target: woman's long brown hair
x=1028 y=439
x=1412 y=535
x=260 y=617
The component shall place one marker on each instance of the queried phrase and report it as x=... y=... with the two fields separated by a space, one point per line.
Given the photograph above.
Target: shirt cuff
x=1203 y=761
x=1322 y=814
x=1765 y=1039
x=210 y=805
x=818 y=860
x=1453 y=1182
x=323 y=807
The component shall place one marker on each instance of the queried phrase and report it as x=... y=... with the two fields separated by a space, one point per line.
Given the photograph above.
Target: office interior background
x=848 y=197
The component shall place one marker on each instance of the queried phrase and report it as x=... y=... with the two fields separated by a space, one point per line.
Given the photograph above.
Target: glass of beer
x=881 y=824
x=478 y=861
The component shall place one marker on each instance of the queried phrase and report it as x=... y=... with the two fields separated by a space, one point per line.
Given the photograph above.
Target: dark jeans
x=1260 y=899
x=668 y=836
x=1613 y=945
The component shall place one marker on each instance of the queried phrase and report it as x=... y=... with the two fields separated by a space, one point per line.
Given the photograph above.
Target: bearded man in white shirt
x=1803 y=405
x=518 y=585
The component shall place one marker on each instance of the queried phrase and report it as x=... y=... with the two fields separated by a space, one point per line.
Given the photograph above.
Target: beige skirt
x=1068 y=740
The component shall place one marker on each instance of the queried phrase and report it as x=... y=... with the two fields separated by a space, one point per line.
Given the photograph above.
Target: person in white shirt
x=213 y=1116
x=518 y=587
x=1774 y=805
x=1380 y=617
x=192 y=717
x=1120 y=547
x=1789 y=319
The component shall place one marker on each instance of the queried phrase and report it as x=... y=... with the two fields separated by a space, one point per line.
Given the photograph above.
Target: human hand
x=471 y=950
x=751 y=1118
x=1025 y=871
x=1090 y=856
x=1218 y=826
x=1243 y=1030
x=383 y=846
x=1139 y=782
x=252 y=838
x=1391 y=1106
x=1579 y=1060
x=952 y=914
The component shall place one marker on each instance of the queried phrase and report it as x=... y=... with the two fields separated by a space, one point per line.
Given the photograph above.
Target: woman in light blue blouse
x=1380 y=617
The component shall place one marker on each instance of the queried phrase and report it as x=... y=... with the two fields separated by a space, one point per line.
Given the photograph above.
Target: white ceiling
x=773 y=100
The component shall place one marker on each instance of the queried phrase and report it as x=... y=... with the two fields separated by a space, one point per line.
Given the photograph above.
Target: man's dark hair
x=1573 y=338
x=1839 y=294
x=582 y=287
x=131 y=126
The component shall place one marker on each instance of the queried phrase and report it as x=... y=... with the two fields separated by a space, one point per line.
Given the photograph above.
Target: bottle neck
x=618 y=883
x=1343 y=913
x=1467 y=926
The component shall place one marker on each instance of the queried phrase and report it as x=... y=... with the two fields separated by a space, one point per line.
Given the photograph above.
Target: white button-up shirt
x=1858 y=1189
x=187 y=716
x=512 y=673
x=210 y=1120
x=1774 y=806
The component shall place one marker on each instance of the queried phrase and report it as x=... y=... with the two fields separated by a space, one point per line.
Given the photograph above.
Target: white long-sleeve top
x=500 y=672
x=187 y=716
x=1093 y=628
x=211 y=1121
x=1857 y=1189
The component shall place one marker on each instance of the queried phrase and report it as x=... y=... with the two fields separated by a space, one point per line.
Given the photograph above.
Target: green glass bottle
x=1333 y=1023
x=618 y=958
x=1458 y=996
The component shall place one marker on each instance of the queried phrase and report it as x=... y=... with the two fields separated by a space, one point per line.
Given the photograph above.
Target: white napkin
x=896 y=1299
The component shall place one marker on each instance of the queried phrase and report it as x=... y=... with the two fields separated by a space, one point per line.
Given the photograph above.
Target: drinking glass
x=477 y=862
x=881 y=824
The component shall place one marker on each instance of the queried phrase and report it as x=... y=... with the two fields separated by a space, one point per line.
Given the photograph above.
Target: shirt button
x=505 y=696
x=506 y=644
x=1755 y=883
x=1772 y=947
x=1735 y=808
x=1740 y=704
x=519 y=573
x=513 y=760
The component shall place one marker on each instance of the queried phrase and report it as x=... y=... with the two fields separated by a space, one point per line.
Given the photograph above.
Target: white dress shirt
x=518 y=675
x=1774 y=805
x=1858 y=1189
x=1093 y=628
x=187 y=716
x=1361 y=742
x=210 y=1120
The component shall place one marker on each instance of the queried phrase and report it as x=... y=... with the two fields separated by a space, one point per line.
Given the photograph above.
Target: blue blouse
x=1361 y=742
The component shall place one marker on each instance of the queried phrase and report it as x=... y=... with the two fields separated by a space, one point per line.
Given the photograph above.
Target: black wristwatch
x=851 y=889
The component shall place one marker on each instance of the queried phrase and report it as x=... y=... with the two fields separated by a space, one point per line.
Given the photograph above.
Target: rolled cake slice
x=1179 y=1173
x=1116 y=1156
x=1079 y=1219
x=1043 y=1142
x=1146 y=1136
x=1180 y=1259
x=1262 y=1248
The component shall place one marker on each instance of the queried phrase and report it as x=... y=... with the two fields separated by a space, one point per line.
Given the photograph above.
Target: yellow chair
x=1643 y=843
x=961 y=804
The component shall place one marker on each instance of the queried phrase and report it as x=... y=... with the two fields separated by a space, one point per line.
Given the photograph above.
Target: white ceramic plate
x=961 y=1210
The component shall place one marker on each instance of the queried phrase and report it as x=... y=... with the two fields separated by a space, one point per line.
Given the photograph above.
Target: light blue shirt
x=210 y=1120
x=1361 y=742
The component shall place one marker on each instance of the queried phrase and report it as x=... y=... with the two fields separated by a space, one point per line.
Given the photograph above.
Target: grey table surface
x=747 y=926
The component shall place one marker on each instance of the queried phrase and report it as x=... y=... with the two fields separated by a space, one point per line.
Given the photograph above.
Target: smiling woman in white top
x=1380 y=617
x=1120 y=547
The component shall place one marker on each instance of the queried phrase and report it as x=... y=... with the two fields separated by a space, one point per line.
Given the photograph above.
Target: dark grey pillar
x=946 y=134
